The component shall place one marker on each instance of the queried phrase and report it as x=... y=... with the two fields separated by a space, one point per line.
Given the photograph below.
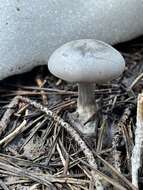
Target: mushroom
x=87 y=62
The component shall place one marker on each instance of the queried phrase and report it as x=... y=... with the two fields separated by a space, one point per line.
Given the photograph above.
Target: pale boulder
x=31 y=30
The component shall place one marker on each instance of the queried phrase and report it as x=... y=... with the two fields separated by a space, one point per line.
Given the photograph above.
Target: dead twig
x=138 y=148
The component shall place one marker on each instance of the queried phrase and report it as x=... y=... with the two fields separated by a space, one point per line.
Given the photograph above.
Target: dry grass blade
x=89 y=155
x=105 y=177
x=101 y=136
x=6 y=117
x=45 y=179
x=35 y=187
x=13 y=134
x=53 y=90
x=35 y=129
x=114 y=170
x=135 y=81
x=55 y=138
x=21 y=128
x=64 y=161
x=3 y=185
x=20 y=162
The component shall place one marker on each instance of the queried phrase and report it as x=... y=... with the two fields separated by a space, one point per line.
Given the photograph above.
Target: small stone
x=30 y=32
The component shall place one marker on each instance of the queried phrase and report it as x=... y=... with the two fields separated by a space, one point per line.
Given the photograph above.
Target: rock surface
x=31 y=31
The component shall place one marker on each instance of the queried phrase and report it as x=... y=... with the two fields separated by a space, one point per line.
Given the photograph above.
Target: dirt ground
x=40 y=151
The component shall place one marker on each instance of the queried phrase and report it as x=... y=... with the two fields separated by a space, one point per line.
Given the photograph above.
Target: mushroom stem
x=86 y=101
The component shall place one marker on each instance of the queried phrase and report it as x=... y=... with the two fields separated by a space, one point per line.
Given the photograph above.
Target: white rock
x=31 y=30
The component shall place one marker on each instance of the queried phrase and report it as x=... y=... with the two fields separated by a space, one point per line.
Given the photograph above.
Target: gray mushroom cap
x=86 y=60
